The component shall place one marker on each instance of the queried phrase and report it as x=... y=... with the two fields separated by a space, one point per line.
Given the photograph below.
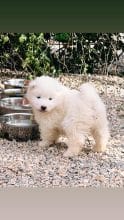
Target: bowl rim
x=3 y=120
x=12 y=92
x=17 y=82
x=14 y=79
x=3 y=104
x=12 y=89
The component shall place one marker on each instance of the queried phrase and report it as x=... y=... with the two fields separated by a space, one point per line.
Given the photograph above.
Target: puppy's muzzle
x=43 y=108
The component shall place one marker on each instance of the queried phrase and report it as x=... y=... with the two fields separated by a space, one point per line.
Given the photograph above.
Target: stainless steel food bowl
x=14 y=83
x=1 y=93
x=19 y=126
x=12 y=93
x=14 y=105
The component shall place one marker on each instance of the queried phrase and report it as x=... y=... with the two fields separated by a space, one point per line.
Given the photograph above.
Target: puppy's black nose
x=43 y=108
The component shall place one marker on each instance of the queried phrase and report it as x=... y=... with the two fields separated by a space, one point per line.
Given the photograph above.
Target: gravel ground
x=25 y=164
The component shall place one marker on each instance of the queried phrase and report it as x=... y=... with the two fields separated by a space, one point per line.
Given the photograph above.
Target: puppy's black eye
x=50 y=98
x=38 y=97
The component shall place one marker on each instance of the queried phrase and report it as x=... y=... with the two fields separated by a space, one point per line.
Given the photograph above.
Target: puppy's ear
x=32 y=85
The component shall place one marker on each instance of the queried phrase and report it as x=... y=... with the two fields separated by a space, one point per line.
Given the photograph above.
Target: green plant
x=28 y=52
x=89 y=52
x=76 y=52
x=62 y=37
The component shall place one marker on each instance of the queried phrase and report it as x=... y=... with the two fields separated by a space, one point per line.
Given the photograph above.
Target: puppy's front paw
x=70 y=153
x=99 y=149
x=44 y=144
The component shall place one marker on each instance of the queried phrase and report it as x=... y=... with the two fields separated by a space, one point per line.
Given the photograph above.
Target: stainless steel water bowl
x=14 y=83
x=12 y=93
x=14 y=104
x=19 y=126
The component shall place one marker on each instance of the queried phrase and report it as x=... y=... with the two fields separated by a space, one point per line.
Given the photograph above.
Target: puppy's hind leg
x=101 y=137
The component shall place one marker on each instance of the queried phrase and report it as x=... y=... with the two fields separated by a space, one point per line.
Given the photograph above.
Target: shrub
x=90 y=52
x=27 y=52
x=79 y=52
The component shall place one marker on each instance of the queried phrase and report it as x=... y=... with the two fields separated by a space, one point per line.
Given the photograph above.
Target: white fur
x=73 y=113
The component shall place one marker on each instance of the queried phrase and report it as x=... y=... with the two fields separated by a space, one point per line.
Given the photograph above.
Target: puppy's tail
x=91 y=97
x=88 y=91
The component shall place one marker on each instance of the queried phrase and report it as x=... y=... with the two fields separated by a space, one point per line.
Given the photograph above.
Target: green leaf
x=5 y=39
x=22 y=38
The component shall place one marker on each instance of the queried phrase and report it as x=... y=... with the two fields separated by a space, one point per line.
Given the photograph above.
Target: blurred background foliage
x=56 y=53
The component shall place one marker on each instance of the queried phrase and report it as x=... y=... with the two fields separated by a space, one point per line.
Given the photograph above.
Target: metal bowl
x=12 y=93
x=14 y=105
x=1 y=93
x=19 y=126
x=14 y=83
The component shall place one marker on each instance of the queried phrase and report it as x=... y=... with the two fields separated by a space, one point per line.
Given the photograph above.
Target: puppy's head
x=45 y=94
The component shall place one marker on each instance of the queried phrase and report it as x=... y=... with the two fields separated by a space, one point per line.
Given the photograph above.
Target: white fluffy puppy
x=74 y=113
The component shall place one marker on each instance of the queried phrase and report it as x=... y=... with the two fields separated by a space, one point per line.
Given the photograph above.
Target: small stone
x=85 y=181
x=100 y=178
x=122 y=173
